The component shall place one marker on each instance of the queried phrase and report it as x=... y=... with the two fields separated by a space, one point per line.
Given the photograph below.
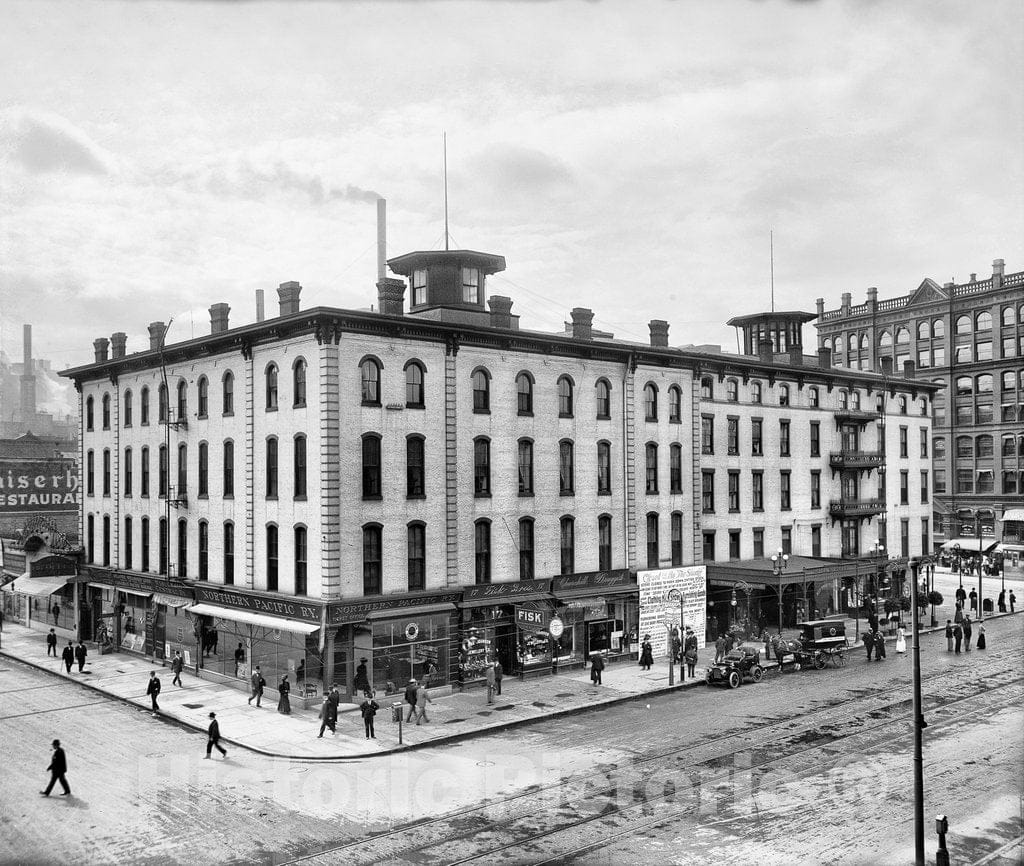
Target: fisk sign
x=529 y=619
x=38 y=485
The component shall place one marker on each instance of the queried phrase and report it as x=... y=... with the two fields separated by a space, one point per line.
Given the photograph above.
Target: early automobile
x=741 y=663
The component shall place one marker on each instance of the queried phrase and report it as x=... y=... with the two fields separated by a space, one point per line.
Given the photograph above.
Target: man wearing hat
x=362 y=680
x=213 y=737
x=410 y=699
x=58 y=767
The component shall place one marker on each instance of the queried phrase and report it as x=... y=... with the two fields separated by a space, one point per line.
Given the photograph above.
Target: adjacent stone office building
x=969 y=338
x=424 y=488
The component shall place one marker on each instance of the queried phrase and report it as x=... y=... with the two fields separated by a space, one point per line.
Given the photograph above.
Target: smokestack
x=391 y=296
x=288 y=295
x=501 y=311
x=117 y=344
x=825 y=357
x=259 y=305
x=28 y=379
x=382 y=240
x=659 y=332
x=100 y=346
x=820 y=306
x=156 y=335
x=582 y=323
x=219 y=318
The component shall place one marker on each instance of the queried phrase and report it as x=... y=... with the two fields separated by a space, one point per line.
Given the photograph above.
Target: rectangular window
x=604 y=542
x=272 y=552
x=784 y=491
x=757 y=490
x=525 y=468
x=924 y=441
x=707 y=434
x=299 y=467
x=707 y=492
x=128 y=543
x=904 y=537
x=229 y=553
x=604 y=468
x=734 y=544
x=482 y=467
x=677 y=538
x=652 y=541
x=733 y=435
x=815 y=489
x=675 y=469
x=416 y=551
x=709 y=546
x=787 y=540
x=471 y=285
x=758 y=543
x=816 y=541
x=904 y=487
x=926 y=538
x=482 y=551
x=566 y=469
x=144 y=541
x=204 y=470
x=414 y=468
x=903 y=442
x=229 y=469
x=940 y=481
x=271 y=468
x=784 y=438
x=924 y=486
x=301 y=560
x=127 y=471
x=734 y=490
x=204 y=550
x=371 y=467
x=526 y=550
x=815 y=439
x=756 y=446
x=419 y=286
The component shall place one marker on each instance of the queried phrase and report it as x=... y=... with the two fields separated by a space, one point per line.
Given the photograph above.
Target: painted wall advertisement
x=660 y=594
x=31 y=486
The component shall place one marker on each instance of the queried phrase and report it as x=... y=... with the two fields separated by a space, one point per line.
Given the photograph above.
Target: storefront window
x=409 y=648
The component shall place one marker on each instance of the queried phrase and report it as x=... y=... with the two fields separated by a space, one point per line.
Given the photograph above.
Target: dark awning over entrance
x=800 y=569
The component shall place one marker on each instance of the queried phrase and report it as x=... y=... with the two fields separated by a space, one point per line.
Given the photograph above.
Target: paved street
x=832 y=746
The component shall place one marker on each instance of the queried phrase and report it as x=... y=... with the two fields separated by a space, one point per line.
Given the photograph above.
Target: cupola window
x=471 y=285
x=419 y=286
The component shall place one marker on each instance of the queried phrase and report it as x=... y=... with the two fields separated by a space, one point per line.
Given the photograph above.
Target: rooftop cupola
x=784 y=331
x=448 y=284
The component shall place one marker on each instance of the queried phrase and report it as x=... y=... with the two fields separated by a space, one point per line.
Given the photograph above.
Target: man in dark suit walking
x=213 y=737
x=68 y=656
x=58 y=767
x=257 y=684
x=51 y=644
x=80 y=654
x=153 y=690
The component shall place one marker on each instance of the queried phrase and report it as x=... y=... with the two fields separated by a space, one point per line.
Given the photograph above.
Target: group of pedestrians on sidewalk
x=959 y=634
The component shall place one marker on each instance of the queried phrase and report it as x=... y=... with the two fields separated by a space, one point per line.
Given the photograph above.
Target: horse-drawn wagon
x=820 y=642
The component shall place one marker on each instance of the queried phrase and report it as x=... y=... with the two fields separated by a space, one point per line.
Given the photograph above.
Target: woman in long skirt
x=981 y=637
x=284 y=706
x=901 y=641
x=646 y=653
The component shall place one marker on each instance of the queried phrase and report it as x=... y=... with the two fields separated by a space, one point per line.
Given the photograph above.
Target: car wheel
x=757 y=673
x=734 y=679
x=819 y=661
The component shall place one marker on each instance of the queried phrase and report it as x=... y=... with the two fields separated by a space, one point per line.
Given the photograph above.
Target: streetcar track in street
x=781 y=729
x=60 y=709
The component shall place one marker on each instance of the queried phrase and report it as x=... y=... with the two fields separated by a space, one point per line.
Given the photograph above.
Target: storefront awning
x=174 y=601
x=970 y=545
x=591 y=592
x=497 y=601
x=259 y=619
x=1009 y=547
x=1013 y=514
x=39 y=586
x=409 y=612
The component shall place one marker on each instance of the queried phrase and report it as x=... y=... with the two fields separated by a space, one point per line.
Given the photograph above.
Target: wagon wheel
x=734 y=679
x=839 y=657
x=819 y=661
x=757 y=673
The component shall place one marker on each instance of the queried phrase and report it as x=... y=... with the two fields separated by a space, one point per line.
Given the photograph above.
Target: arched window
x=565 y=391
x=1009 y=315
x=106 y=411
x=863 y=342
x=938 y=448
x=415 y=474
x=271 y=381
x=984 y=321
x=89 y=403
x=963 y=325
x=299 y=467
x=525 y=463
x=299 y=382
x=481 y=391
x=884 y=340
x=650 y=402
x=204 y=550
x=229 y=469
x=182 y=548
x=924 y=407
x=369 y=375
x=144 y=471
x=482 y=466
x=272 y=557
x=567 y=545
x=813 y=397
x=732 y=390
x=416 y=555
x=229 y=553
x=144 y=406
x=837 y=346
x=984 y=445
x=414 y=378
x=604 y=398
x=675 y=468
x=923 y=330
x=482 y=550
x=372 y=561
x=855 y=399
x=844 y=400
x=604 y=467
x=707 y=388
x=902 y=403
x=524 y=393
x=902 y=335
x=652 y=540
x=371 y=466
x=301 y=559
x=182 y=490
x=162 y=403
x=604 y=542
x=526 y=548
x=566 y=468
x=938 y=328
x=964 y=446
x=182 y=401
x=755 y=392
x=984 y=383
x=852 y=342
x=228 y=393
x=270 y=470
x=651 y=455
x=964 y=386
x=1009 y=383
x=675 y=405
x=203 y=482
x=163 y=469
x=783 y=395
x=203 y=397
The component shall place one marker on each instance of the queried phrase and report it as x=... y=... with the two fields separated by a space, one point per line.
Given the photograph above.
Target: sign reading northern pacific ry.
x=38 y=485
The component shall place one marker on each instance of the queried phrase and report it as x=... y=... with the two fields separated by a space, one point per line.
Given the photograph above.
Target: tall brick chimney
x=156 y=334
x=659 y=332
x=391 y=296
x=825 y=357
x=118 y=342
x=100 y=347
x=288 y=293
x=501 y=311
x=582 y=323
x=219 y=318
x=998 y=271
x=846 y=303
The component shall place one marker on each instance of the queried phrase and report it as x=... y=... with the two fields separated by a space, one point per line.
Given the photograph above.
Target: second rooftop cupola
x=448 y=284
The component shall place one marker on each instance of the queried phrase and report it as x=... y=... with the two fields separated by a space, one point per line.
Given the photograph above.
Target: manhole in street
x=485 y=763
x=564 y=695
x=193 y=706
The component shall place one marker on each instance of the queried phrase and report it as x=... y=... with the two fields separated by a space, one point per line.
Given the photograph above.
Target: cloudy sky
x=631 y=157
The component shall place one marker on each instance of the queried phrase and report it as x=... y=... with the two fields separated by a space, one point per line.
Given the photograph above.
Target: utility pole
x=919 y=724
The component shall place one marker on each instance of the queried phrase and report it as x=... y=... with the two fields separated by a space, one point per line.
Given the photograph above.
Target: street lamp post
x=780 y=561
x=981 y=603
x=919 y=724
